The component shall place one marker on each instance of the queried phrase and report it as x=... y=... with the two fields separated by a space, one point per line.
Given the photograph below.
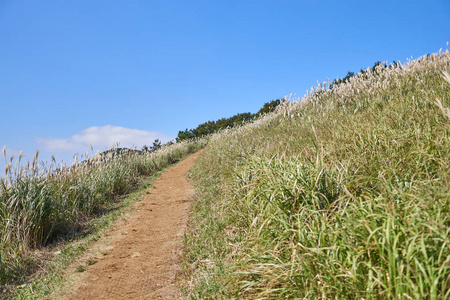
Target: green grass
x=343 y=195
x=40 y=206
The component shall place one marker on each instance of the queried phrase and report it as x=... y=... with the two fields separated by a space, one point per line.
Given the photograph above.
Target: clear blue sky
x=74 y=73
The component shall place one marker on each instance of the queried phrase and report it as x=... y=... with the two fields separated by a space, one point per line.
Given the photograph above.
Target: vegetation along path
x=141 y=260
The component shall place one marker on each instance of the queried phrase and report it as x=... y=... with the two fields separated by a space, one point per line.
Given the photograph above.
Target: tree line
x=210 y=127
x=373 y=70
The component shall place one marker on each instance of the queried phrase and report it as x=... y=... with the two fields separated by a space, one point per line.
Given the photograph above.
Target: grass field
x=343 y=194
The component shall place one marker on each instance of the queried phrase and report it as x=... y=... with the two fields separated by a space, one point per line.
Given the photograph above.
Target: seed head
x=8 y=167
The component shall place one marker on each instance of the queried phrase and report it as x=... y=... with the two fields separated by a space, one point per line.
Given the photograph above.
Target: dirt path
x=141 y=260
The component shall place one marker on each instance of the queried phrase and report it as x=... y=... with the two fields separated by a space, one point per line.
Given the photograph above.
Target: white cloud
x=101 y=138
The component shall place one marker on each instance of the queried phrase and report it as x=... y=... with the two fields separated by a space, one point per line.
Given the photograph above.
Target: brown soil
x=141 y=261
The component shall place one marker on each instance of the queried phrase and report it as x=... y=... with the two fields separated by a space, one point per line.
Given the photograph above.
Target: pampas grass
x=342 y=194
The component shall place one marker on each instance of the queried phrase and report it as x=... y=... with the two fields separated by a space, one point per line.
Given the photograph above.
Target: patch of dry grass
x=341 y=194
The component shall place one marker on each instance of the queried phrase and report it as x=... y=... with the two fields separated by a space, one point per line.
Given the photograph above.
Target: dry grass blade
x=446 y=76
x=445 y=110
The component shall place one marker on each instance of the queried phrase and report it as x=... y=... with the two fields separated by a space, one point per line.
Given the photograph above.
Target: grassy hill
x=343 y=194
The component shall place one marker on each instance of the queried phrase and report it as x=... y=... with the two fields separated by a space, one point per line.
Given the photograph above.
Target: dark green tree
x=270 y=106
x=156 y=145
x=214 y=126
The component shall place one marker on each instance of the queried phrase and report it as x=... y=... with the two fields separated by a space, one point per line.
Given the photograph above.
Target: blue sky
x=75 y=73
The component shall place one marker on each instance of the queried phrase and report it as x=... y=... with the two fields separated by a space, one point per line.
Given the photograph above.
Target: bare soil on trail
x=141 y=260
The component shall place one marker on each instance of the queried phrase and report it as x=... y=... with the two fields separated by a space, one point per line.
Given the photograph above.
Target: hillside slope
x=344 y=193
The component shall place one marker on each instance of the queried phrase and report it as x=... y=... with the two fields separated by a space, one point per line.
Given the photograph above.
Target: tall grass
x=343 y=194
x=39 y=204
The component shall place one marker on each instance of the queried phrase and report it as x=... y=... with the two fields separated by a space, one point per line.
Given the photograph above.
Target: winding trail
x=141 y=261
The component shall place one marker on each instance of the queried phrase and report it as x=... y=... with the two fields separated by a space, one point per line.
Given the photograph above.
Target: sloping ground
x=141 y=260
x=344 y=194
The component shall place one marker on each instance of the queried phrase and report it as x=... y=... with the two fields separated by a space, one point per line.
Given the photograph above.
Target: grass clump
x=343 y=194
x=41 y=205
